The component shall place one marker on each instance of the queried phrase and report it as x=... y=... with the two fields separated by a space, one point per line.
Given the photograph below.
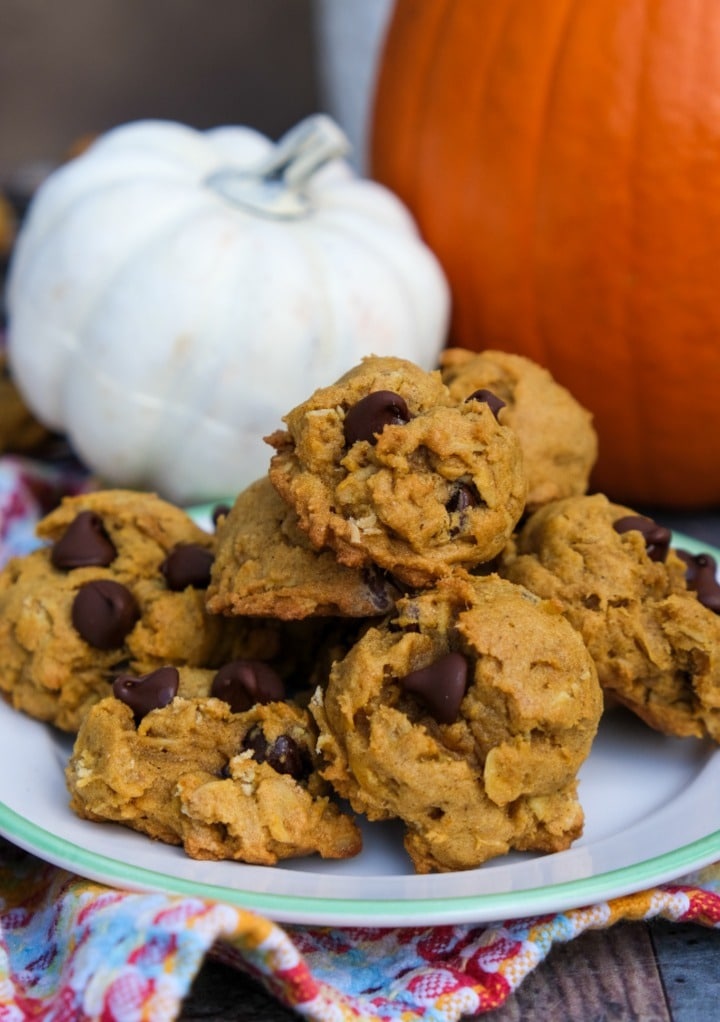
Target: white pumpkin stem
x=275 y=187
x=303 y=150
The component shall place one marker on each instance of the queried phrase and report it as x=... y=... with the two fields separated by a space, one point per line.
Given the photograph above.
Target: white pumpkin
x=172 y=293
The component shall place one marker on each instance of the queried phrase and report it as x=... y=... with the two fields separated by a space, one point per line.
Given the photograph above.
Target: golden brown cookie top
x=265 y=565
x=384 y=467
x=143 y=529
x=463 y=716
x=119 y=587
x=582 y=550
x=556 y=433
x=225 y=785
x=623 y=586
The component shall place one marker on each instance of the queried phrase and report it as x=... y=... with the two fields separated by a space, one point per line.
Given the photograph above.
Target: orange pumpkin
x=562 y=159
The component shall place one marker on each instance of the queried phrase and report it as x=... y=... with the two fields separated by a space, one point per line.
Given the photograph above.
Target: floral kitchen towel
x=72 y=950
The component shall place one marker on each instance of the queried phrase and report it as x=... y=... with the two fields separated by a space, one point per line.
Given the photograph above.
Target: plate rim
x=299 y=909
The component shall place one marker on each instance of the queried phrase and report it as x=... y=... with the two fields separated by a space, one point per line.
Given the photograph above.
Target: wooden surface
x=657 y=972
x=644 y=972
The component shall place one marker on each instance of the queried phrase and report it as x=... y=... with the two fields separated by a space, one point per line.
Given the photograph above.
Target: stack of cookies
x=412 y=616
x=465 y=705
x=104 y=631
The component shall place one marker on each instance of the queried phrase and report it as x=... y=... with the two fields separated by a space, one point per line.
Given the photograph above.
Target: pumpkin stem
x=275 y=186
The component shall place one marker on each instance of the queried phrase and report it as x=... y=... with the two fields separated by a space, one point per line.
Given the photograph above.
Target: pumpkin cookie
x=223 y=785
x=467 y=716
x=119 y=587
x=387 y=469
x=654 y=642
x=556 y=433
x=265 y=565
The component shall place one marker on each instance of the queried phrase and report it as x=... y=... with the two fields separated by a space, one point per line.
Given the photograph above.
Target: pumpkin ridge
x=620 y=247
x=373 y=243
x=471 y=183
x=69 y=209
x=415 y=92
x=431 y=81
x=653 y=250
x=635 y=427
x=326 y=321
x=142 y=245
x=541 y=342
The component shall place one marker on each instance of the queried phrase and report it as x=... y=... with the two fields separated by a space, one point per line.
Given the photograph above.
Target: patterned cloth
x=72 y=950
x=29 y=489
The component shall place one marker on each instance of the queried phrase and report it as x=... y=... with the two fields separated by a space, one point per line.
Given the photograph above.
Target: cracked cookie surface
x=265 y=564
x=119 y=586
x=467 y=716
x=655 y=645
x=223 y=785
x=556 y=433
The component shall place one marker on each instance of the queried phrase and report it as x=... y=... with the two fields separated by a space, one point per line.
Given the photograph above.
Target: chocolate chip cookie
x=223 y=785
x=118 y=587
x=556 y=433
x=386 y=468
x=645 y=613
x=265 y=565
x=467 y=715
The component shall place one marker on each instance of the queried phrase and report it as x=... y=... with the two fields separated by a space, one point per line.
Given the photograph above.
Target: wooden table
x=632 y=972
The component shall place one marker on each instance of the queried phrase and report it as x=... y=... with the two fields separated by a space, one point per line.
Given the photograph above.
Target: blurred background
x=70 y=71
x=76 y=68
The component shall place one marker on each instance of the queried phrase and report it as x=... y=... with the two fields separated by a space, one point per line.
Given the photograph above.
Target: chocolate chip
x=441 y=686
x=657 y=537
x=486 y=568
x=243 y=683
x=382 y=591
x=366 y=419
x=104 y=612
x=83 y=544
x=284 y=755
x=463 y=497
x=487 y=397
x=188 y=564
x=701 y=577
x=148 y=691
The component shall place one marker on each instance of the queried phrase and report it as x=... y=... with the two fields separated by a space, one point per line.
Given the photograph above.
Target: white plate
x=652 y=814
